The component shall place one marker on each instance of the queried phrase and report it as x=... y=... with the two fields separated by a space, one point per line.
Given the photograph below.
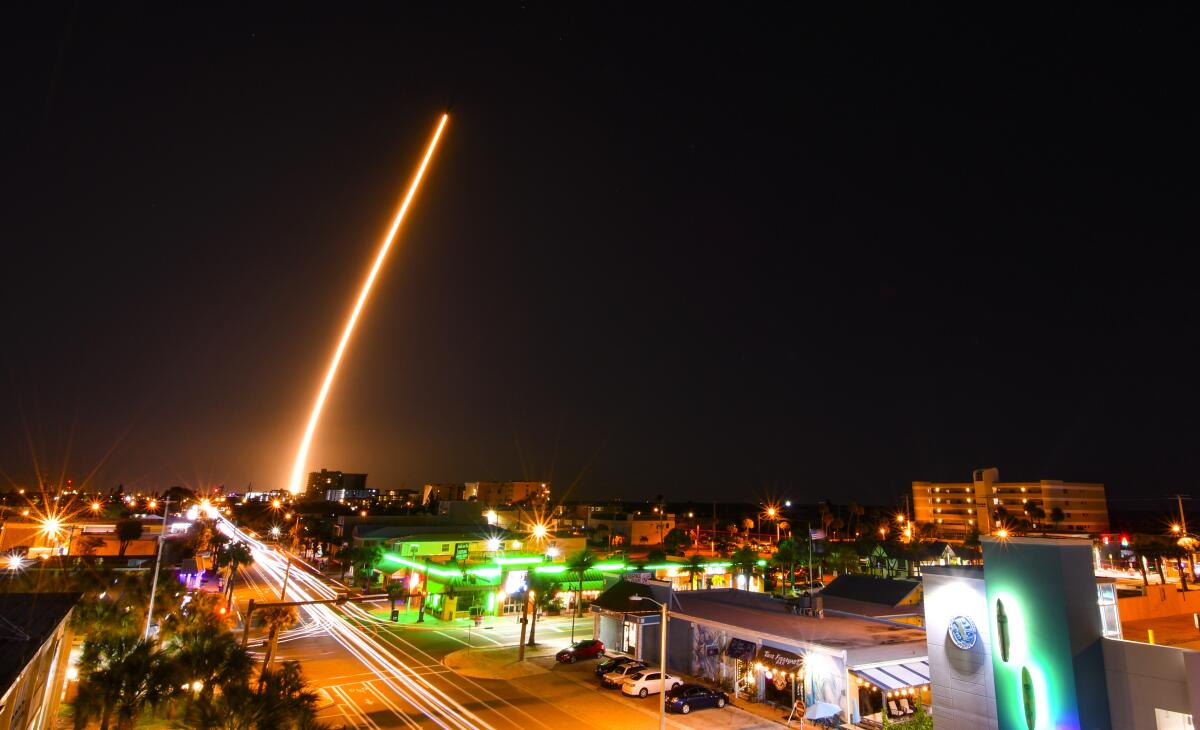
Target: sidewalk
x=501 y=662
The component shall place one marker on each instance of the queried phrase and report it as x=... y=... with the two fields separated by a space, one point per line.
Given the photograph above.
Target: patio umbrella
x=821 y=711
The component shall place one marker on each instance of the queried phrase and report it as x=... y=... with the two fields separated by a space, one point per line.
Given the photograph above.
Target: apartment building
x=985 y=503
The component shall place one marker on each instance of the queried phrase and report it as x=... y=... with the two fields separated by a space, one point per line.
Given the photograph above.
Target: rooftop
x=868 y=589
x=763 y=614
x=26 y=621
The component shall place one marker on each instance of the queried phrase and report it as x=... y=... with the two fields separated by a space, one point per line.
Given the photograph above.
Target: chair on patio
x=894 y=711
x=907 y=708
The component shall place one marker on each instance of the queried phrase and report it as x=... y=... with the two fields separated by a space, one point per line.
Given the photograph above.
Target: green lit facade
x=1047 y=658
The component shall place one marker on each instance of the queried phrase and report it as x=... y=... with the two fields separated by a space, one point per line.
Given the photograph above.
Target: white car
x=647 y=682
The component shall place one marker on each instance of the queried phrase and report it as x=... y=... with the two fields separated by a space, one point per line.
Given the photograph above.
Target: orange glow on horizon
x=296 y=483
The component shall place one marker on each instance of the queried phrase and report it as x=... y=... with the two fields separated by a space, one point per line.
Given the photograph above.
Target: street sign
x=461 y=550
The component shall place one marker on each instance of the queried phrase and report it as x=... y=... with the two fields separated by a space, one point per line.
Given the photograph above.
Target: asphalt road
x=417 y=690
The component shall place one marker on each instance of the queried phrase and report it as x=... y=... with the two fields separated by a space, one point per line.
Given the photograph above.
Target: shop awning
x=741 y=649
x=780 y=660
x=895 y=676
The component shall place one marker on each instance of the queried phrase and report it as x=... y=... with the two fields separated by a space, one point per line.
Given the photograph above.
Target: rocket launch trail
x=296 y=483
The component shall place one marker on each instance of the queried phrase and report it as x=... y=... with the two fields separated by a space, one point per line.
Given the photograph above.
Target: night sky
x=710 y=252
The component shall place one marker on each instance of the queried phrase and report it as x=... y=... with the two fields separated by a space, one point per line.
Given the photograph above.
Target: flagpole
x=810 y=539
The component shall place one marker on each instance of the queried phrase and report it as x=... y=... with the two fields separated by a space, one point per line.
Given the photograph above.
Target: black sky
x=705 y=251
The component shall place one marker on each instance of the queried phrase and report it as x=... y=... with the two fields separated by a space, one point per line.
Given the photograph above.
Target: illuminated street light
x=1176 y=528
x=539 y=532
x=274 y=532
x=15 y=562
x=153 y=504
x=1002 y=533
x=276 y=504
x=96 y=506
x=52 y=526
x=552 y=552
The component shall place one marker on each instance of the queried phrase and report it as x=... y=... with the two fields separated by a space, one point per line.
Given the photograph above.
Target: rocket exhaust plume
x=296 y=483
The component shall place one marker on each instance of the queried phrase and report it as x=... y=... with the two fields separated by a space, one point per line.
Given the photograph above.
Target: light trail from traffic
x=297 y=479
x=398 y=676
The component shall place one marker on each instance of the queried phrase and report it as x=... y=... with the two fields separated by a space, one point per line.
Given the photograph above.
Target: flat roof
x=28 y=620
x=763 y=614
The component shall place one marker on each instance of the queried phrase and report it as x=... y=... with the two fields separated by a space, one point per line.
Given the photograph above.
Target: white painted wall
x=963 y=692
x=1145 y=678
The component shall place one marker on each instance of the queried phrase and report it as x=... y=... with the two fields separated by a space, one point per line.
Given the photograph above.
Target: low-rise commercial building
x=760 y=649
x=1032 y=639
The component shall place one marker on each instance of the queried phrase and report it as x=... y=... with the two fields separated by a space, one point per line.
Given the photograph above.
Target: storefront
x=783 y=676
x=624 y=625
x=750 y=645
x=893 y=690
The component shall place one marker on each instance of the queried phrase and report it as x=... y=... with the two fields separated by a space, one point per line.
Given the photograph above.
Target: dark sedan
x=581 y=650
x=613 y=663
x=688 y=697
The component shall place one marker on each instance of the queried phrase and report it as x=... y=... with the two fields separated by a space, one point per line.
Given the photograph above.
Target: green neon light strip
x=497 y=568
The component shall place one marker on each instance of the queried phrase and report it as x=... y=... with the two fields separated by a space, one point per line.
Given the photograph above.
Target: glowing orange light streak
x=297 y=480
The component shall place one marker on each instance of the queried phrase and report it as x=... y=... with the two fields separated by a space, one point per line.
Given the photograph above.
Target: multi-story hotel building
x=983 y=502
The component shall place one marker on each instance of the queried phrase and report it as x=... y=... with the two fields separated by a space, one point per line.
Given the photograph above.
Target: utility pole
x=286 y=573
x=529 y=597
x=157 y=562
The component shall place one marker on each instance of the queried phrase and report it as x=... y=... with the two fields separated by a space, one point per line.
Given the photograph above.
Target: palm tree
x=1057 y=516
x=89 y=544
x=282 y=700
x=579 y=563
x=363 y=558
x=237 y=554
x=276 y=618
x=694 y=566
x=212 y=656
x=1036 y=513
x=396 y=589
x=127 y=532
x=744 y=560
x=123 y=675
x=788 y=554
x=856 y=512
x=544 y=589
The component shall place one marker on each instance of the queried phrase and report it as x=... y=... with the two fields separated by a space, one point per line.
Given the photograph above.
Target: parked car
x=585 y=649
x=647 y=682
x=617 y=677
x=688 y=697
x=610 y=664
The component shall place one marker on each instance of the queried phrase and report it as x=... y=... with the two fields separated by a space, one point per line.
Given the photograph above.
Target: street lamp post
x=662 y=663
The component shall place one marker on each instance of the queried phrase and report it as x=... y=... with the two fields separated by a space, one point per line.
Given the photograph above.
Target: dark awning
x=740 y=649
x=784 y=661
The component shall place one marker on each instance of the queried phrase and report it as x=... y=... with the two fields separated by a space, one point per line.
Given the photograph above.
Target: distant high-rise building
x=490 y=493
x=320 y=482
x=986 y=504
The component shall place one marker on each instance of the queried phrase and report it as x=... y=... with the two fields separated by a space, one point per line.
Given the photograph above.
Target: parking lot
x=576 y=689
